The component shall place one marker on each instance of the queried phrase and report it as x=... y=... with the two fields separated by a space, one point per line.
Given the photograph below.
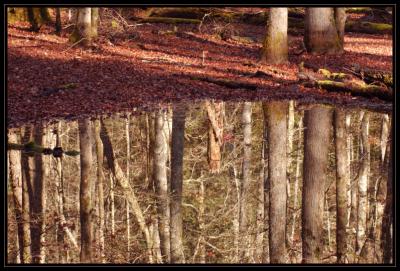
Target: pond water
x=223 y=144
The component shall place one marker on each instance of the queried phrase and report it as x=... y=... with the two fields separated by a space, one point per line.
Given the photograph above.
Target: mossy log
x=355 y=89
x=368 y=28
x=358 y=10
x=372 y=76
x=32 y=148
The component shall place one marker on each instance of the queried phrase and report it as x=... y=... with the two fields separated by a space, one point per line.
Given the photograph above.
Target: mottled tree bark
x=363 y=176
x=275 y=49
x=277 y=139
x=178 y=132
x=85 y=142
x=246 y=178
x=317 y=122
x=266 y=253
x=320 y=34
x=342 y=180
x=160 y=156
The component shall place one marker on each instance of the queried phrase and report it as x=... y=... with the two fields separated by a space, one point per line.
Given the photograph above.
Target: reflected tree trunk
x=342 y=181
x=317 y=122
x=266 y=252
x=246 y=179
x=85 y=142
x=160 y=157
x=277 y=174
x=215 y=112
x=177 y=150
x=363 y=177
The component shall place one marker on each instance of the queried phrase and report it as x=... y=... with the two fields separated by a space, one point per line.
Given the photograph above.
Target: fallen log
x=226 y=82
x=368 y=27
x=355 y=89
x=168 y=20
x=372 y=76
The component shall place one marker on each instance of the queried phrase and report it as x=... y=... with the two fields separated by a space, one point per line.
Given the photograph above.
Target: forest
x=199 y=135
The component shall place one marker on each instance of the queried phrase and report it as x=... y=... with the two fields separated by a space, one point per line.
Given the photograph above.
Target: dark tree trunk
x=340 y=20
x=178 y=132
x=85 y=141
x=58 y=21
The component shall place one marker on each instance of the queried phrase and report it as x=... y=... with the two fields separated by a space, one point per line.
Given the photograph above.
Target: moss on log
x=368 y=28
x=355 y=89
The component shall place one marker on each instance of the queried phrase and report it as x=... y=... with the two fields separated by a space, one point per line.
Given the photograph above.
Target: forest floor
x=145 y=64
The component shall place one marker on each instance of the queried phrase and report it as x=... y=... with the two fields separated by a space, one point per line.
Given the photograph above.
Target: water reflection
x=200 y=183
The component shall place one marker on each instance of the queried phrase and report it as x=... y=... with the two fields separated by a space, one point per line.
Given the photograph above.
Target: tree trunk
x=342 y=180
x=317 y=122
x=85 y=142
x=363 y=177
x=83 y=31
x=177 y=150
x=340 y=21
x=27 y=169
x=37 y=200
x=17 y=190
x=277 y=130
x=215 y=112
x=94 y=21
x=275 y=49
x=246 y=178
x=296 y=182
x=290 y=132
x=58 y=21
x=387 y=220
x=100 y=183
x=160 y=155
x=266 y=252
x=128 y=155
x=320 y=36
x=384 y=135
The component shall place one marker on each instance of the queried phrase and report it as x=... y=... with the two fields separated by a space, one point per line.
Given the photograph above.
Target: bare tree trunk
x=317 y=122
x=85 y=142
x=277 y=130
x=296 y=182
x=58 y=21
x=215 y=112
x=160 y=178
x=259 y=242
x=290 y=132
x=387 y=220
x=340 y=21
x=17 y=190
x=236 y=216
x=37 y=200
x=100 y=181
x=363 y=176
x=354 y=202
x=384 y=134
x=177 y=150
x=94 y=21
x=128 y=154
x=246 y=178
x=129 y=193
x=275 y=49
x=266 y=252
x=27 y=168
x=202 y=243
x=320 y=34
x=342 y=181
x=83 y=32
